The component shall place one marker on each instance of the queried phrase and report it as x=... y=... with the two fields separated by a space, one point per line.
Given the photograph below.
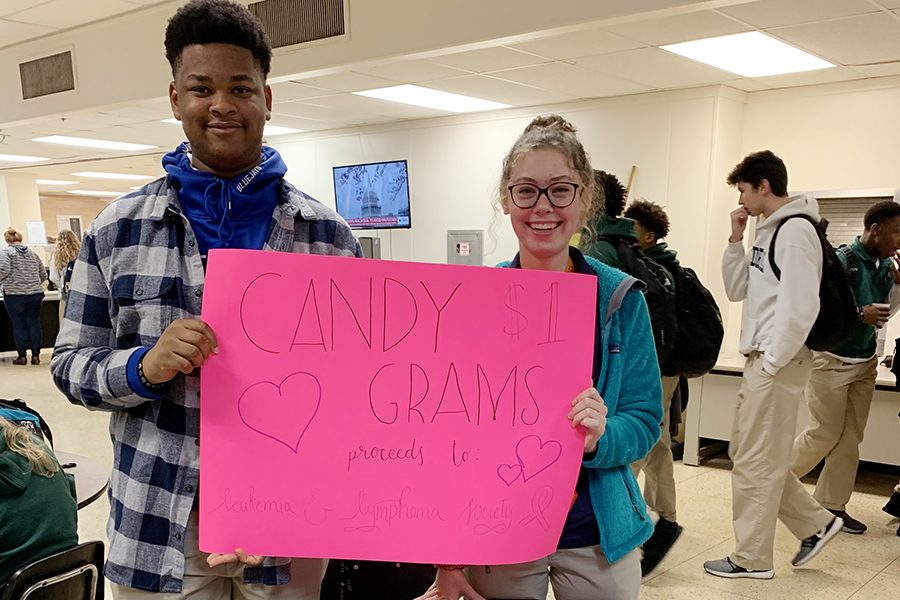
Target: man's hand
x=739 y=217
x=250 y=560
x=895 y=266
x=183 y=347
x=451 y=584
x=876 y=314
x=589 y=411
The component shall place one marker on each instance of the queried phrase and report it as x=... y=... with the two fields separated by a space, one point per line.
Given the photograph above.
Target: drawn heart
x=509 y=473
x=281 y=412
x=535 y=455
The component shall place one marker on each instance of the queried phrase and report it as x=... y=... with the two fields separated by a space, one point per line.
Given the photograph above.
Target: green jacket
x=665 y=257
x=871 y=284
x=38 y=515
x=606 y=225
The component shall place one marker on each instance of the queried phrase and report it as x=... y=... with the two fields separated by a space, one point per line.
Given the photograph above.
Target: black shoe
x=814 y=543
x=20 y=361
x=893 y=506
x=851 y=525
x=655 y=549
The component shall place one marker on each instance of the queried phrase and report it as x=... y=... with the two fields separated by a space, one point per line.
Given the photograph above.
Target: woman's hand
x=451 y=584
x=589 y=411
x=239 y=556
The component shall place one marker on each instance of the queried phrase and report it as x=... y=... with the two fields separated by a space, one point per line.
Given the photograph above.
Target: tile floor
x=865 y=567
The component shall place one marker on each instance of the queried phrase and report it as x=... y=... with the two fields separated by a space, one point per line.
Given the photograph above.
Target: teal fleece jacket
x=629 y=384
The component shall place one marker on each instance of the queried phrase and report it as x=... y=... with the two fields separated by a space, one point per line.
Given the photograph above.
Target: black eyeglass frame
x=545 y=191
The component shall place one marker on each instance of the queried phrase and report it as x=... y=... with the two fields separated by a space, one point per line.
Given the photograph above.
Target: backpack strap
x=852 y=267
x=618 y=295
x=817 y=225
x=17 y=404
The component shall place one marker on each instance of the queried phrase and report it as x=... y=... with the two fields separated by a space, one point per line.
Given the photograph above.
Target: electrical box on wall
x=465 y=247
x=371 y=246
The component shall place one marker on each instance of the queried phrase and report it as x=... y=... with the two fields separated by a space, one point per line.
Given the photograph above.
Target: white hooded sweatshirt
x=778 y=315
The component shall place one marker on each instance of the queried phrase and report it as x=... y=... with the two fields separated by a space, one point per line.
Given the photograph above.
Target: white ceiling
x=615 y=58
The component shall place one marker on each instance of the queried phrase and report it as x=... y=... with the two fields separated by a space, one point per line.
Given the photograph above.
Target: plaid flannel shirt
x=139 y=269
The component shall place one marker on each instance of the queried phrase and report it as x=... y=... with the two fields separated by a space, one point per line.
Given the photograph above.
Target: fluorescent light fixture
x=91 y=143
x=270 y=130
x=20 y=158
x=420 y=96
x=54 y=182
x=96 y=193
x=122 y=176
x=751 y=54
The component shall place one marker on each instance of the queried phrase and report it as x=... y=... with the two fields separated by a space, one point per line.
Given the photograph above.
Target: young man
x=777 y=317
x=133 y=342
x=609 y=221
x=840 y=388
x=651 y=224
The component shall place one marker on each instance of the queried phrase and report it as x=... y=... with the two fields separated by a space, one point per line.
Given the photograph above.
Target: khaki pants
x=838 y=396
x=762 y=487
x=658 y=466
x=226 y=582
x=576 y=574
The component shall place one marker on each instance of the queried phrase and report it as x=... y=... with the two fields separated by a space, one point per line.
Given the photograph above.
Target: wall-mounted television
x=373 y=195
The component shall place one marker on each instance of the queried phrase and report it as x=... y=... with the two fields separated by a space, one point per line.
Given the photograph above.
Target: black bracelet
x=153 y=387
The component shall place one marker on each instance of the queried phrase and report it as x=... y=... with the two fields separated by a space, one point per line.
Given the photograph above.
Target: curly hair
x=610 y=193
x=550 y=131
x=758 y=166
x=651 y=216
x=217 y=22
x=22 y=442
x=67 y=248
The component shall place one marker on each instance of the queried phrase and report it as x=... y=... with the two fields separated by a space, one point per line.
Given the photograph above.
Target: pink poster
x=382 y=410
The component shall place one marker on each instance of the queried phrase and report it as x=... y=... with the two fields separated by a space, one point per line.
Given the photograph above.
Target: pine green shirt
x=871 y=284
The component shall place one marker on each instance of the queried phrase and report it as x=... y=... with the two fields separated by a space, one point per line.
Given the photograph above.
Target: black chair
x=73 y=574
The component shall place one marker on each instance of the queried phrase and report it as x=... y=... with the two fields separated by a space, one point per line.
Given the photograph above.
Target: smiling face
x=221 y=98
x=544 y=230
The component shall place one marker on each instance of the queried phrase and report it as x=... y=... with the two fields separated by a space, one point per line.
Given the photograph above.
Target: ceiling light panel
x=429 y=98
x=91 y=143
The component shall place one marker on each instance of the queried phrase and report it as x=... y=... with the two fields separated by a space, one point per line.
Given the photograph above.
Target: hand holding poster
x=390 y=411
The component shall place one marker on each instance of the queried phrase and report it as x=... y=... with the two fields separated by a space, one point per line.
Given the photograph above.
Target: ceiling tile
x=12 y=33
x=850 y=41
x=412 y=71
x=880 y=70
x=679 y=28
x=572 y=80
x=325 y=114
x=67 y=13
x=577 y=44
x=10 y=7
x=656 y=68
x=373 y=106
x=489 y=87
x=347 y=81
x=748 y=85
x=295 y=90
x=778 y=13
x=489 y=59
x=812 y=77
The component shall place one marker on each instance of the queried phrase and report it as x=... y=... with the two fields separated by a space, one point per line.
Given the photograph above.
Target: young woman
x=67 y=247
x=37 y=501
x=22 y=277
x=546 y=189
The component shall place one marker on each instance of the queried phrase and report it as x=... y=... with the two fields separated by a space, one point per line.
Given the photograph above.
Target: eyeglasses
x=560 y=194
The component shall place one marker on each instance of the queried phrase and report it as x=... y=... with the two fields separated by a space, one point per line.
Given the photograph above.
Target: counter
x=49 y=323
x=713 y=398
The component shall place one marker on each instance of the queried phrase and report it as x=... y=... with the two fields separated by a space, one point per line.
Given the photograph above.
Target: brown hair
x=67 y=247
x=12 y=236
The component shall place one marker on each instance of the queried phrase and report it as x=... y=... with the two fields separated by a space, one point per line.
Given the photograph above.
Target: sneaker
x=814 y=543
x=726 y=568
x=655 y=549
x=851 y=525
x=893 y=505
x=21 y=361
x=35 y=360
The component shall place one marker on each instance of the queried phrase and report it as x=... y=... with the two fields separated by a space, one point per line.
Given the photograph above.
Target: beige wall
x=84 y=207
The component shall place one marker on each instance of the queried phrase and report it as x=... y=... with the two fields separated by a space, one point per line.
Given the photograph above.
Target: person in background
x=22 y=277
x=778 y=316
x=61 y=264
x=38 y=513
x=132 y=341
x=651 y=225
x=546 y=189
x=606 y=219
x=842 y=382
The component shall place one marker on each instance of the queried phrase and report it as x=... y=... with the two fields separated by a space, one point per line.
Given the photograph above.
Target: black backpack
x=700 y=331
x=838 y=314
x=8 y=410
x=659 y=292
